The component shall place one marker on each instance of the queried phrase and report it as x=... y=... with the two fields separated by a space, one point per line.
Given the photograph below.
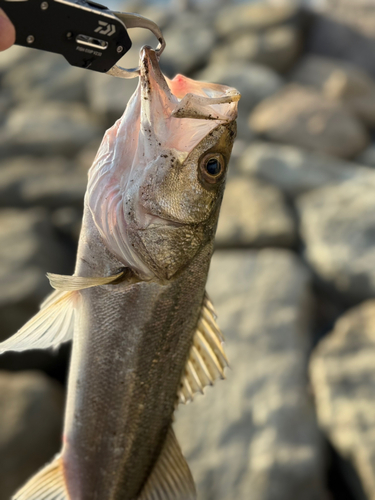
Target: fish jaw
x=145 y=185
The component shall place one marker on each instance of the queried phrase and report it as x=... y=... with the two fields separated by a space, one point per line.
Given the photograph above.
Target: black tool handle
x=87 y=34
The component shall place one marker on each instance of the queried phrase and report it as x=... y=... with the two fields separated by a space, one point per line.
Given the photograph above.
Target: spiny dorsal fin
x=51 y=326
x=76 y=283
x=207 y=358
x=47 y=484
x=170 y=478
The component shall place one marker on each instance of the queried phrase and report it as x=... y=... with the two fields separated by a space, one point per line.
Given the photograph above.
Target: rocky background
x=293 y=278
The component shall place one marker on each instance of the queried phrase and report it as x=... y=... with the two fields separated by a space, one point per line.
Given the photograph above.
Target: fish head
x=162 y=168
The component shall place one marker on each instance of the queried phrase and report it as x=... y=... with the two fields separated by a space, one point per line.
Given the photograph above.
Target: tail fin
x=48 y=484
x=170 y=478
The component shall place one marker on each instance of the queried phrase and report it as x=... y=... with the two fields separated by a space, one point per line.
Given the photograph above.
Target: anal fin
x=170 y=478
x=47 y=484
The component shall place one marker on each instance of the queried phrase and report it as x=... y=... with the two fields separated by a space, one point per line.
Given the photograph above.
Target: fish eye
x=212 y=167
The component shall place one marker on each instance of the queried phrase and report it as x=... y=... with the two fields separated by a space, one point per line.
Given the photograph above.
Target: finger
x=7 y=32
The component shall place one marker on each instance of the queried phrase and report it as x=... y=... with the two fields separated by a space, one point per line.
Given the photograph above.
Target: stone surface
x=338 y=228
x=343 y=379
x=253 y=17
x=276 y=47
x=254 y=435
x=294 y=170
x=50 y=77
x=29 y=248
x=31 y=410
x=255 y=83
x=55 y=128
x=190 y=41
x=340 y=81
x=345 y=29
x=367 y=157
x=50 y=182
x=303 y=117
x=254 y=214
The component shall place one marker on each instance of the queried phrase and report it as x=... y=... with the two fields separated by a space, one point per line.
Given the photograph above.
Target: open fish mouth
x=183 y=97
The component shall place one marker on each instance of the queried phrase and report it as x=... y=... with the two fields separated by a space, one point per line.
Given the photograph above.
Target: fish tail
x=48 y=483
x=170 y=478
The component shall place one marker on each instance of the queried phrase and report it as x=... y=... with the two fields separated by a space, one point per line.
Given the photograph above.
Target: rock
x=254 y=435
x=276 y=47
x=345 y=30
x=16 y=55
x=29 y=248
x=68 y=221
x=338 y=228
x=109 y=96
x=254 y=17
x=254 y=214
x=303 y=117
x=255 y=83
x=52 y=129
x=31 y=411
x=48 y=182
x=340 y=81
x=294 y=170
x=343 y=379
x=190 y=42
x=49 y=77
x=367 y=157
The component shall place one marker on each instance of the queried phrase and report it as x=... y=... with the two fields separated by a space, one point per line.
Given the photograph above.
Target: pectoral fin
x=47 y=484
x=207 y=358
x=170 y=478
x=51 y=326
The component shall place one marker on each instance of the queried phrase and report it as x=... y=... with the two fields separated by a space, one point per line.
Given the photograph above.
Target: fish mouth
x=183 y=97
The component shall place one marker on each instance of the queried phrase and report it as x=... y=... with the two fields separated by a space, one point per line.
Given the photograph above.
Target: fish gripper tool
x=87 y=34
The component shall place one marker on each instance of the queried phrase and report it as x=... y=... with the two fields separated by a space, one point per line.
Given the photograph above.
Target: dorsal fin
x=207 y=358
x=170 y=478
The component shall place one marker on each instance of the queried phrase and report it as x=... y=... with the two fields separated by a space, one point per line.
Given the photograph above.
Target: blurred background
x=293 y=277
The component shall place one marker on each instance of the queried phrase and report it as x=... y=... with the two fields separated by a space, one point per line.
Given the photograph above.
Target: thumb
x=7 y=31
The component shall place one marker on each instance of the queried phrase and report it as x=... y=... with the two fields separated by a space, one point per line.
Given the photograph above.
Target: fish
x=144 y=331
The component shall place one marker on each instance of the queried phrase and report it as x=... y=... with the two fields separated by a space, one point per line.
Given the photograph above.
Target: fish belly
x=129 y=351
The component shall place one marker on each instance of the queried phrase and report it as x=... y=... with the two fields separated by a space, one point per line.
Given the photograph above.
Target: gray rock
x=303 y=117
x=254 y=435
x=31 y=410
x=52 y=129
x=345 y=30
x=16 y=55
x=294 y=170
x=48 y=182
x=254 y=17
x=343 y=379
x=255 y=83
x=339 y=81
x=338 y=228
x=190 y=42
x=49 y=77
x=28 y=250
x=68 y=221
x=109 y=96
x=254 y=214
x=367 y=157
x=276 y=48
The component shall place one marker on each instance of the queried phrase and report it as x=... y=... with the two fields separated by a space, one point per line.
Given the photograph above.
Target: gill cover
x=163 y=119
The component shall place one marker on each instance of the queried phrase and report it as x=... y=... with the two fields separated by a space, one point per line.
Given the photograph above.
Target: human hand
x=7 y=32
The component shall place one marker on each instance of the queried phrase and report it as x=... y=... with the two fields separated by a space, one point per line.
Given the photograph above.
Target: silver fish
x=143 y=329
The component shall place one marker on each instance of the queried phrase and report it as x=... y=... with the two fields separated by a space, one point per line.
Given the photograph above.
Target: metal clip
x=137 y=21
